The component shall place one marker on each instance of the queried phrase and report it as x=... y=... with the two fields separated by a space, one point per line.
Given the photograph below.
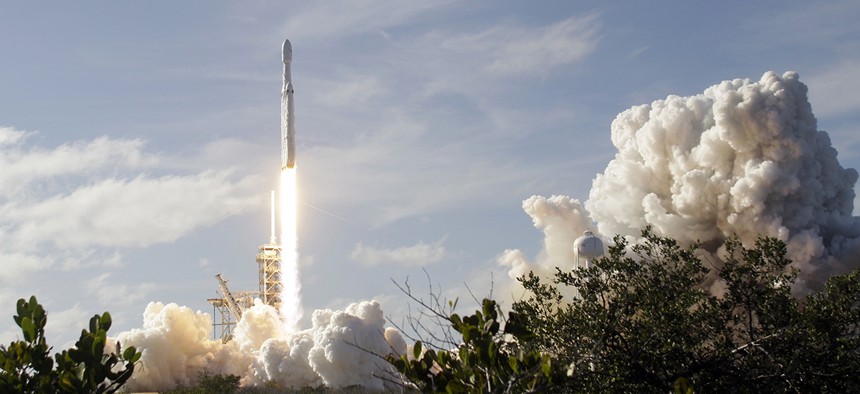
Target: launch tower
x=227 y=309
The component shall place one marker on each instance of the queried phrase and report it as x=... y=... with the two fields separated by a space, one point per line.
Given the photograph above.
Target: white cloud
x=334 y=20
x=833 y=91
x=356 y=90
x=17 y=265
x=61 y=323
x=72 y=210
x=11 y=136
x=393 y=174
x=127 y=213
x=113 y=292
x=24 y=168
x=101 y=207
x=72 y=206
x=416 y=255
x=522 y=50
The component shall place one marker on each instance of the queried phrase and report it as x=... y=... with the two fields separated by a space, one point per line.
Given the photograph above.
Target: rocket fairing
x=288 y=117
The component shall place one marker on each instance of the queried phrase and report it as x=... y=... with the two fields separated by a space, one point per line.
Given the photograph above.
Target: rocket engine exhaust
x=288 y=117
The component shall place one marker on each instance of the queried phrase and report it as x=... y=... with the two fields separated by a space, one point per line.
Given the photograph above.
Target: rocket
x=288 y=116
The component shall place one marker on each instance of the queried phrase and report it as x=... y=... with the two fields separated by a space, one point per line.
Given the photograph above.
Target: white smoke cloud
x=743 y=158
x=416 y=255
x=340 y=349
x=176 y=348
x=562 y=220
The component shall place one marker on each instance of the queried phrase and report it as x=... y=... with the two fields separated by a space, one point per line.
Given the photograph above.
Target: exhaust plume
x=338 y=350
x=743 y=158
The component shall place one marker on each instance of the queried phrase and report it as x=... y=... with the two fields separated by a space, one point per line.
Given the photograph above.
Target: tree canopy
x=641 y=319
x=26 y=365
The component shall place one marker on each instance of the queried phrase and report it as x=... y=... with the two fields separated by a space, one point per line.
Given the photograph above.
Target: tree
x=27 y=367
x=484 y=362
x=638 y=324
x=644 y=318
x=645 y=322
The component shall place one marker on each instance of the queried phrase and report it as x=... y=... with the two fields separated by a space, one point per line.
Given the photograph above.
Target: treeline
x=648 y=323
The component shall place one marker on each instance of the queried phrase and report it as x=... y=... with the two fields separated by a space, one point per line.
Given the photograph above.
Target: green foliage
x=653 y=317
x=646 y=322
x=229 y=384
x=485 y=362
x=210 y=384
x=637 y=323
x=26 y=366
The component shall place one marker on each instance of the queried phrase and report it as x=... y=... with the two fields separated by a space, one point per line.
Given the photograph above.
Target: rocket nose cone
x=288 y=52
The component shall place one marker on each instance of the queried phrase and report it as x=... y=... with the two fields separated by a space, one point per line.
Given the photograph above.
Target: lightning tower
x=269 y=261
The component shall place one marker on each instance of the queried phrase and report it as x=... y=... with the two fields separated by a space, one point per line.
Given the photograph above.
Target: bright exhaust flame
x=291 y=302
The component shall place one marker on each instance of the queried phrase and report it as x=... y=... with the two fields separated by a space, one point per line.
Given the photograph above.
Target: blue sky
x=140 y=139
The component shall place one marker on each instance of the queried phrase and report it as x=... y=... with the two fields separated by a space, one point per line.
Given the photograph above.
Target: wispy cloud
x=515 y=49
x=393 y=171
x=833 y=90
x=127 y=212
x=61 y=322
x=17 y=265
x=416 y=255
x=336 y=20
x=111 y=291
x=9 y=135
x=435 y=111
x=24 y=166
x=355 y=91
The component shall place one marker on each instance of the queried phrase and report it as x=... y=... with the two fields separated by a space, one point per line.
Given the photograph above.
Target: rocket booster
x=288 y=117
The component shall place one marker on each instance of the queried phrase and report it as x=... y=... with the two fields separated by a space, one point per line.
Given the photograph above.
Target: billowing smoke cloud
x=340 y=349
x=743 y=158
x=563 y=220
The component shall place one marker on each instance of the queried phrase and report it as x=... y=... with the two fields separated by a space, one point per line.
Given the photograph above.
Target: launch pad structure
x=228 y=307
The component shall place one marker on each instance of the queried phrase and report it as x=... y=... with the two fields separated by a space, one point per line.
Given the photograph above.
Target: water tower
x=587 y=248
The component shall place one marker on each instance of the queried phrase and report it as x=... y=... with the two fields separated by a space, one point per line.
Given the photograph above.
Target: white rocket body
x=288 y=117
